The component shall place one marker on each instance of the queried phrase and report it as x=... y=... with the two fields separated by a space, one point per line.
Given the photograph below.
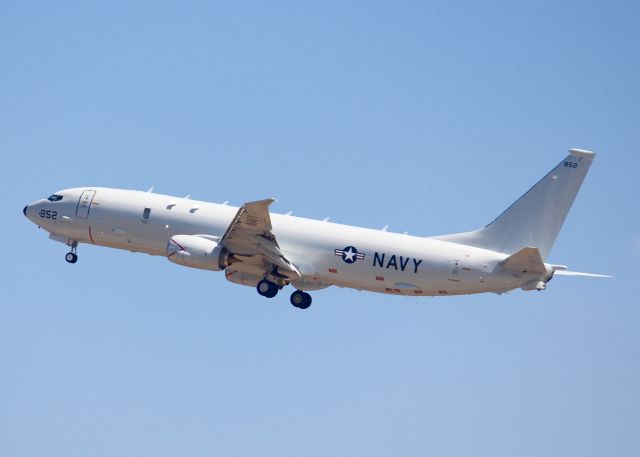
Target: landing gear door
x=84 y=204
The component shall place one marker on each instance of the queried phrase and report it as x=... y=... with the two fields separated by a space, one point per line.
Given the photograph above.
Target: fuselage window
x=55 y=198
x=146 y=213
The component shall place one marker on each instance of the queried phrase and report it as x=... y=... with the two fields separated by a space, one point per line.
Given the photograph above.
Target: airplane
x=269 y=251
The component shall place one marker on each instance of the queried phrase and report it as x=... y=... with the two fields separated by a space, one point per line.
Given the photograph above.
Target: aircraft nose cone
x=24 y=211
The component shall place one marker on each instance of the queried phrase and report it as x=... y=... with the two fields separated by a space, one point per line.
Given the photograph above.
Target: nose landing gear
x=72 y=257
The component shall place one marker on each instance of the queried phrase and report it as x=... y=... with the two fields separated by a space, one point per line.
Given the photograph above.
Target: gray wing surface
x=250 y=238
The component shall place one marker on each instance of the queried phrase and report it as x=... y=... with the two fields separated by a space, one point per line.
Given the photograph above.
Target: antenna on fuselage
x=150 y=189
x=325 y=219
x=384 y=229
x=188 y=196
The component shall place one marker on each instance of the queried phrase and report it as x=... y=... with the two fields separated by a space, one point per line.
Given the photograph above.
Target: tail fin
x=536 y=218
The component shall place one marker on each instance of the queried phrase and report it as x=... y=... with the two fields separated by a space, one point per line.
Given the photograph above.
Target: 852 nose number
x=48 y=214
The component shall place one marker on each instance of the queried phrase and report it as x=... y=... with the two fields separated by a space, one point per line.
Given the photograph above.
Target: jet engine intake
x=197 y=252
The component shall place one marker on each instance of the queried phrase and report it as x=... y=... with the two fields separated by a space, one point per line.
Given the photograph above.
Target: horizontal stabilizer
x=526 y=260
x=577 y=273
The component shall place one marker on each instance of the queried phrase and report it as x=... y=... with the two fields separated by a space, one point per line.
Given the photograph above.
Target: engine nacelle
x=197 y=252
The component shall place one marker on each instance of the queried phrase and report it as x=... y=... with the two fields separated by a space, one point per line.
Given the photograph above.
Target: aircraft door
x=84 y=204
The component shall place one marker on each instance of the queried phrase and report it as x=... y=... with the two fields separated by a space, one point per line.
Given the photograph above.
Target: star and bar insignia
x=349 y=254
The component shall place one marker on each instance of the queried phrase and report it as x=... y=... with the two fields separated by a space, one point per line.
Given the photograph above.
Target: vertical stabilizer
x=535 y=218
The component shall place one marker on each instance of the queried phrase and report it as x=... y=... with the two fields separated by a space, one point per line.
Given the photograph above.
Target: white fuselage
x=386 y=262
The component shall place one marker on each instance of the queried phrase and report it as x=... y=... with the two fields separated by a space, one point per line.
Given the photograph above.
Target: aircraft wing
x=249 y=238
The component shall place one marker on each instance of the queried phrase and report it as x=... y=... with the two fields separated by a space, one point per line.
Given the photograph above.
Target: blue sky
x=429 y=117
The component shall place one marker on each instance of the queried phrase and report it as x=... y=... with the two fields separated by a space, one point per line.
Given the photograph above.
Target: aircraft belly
x=364 y=275
x=73 y=232
x=397 y=269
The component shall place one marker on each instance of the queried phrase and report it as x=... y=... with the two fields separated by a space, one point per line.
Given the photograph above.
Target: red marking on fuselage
x=90 y=236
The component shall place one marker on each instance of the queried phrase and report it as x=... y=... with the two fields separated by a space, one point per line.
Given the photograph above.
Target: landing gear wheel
x=267 y=289
x=300 y=299
x=71 y=257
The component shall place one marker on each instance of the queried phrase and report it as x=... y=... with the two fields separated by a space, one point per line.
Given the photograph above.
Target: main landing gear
x=300 y=299
x=269 y=289
x=72 y=257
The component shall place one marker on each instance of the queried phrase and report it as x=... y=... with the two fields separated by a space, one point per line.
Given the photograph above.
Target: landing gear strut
x=72 y=257
x=300 y=299
x=267 y=288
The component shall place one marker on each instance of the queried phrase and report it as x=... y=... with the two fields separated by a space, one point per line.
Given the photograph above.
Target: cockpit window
x=55 y=198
